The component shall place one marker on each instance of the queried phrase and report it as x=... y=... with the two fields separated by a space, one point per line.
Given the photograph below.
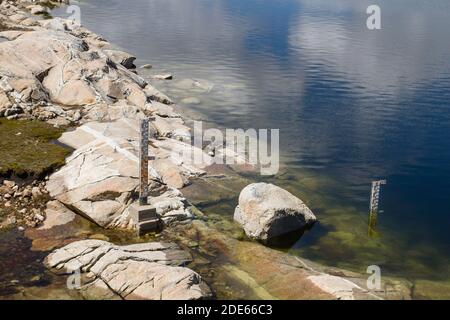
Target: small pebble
x=9 y=184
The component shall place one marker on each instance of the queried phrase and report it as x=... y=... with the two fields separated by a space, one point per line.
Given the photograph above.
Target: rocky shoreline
x=55 y=71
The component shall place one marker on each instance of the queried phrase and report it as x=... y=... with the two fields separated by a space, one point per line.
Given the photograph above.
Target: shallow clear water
x=353 y=106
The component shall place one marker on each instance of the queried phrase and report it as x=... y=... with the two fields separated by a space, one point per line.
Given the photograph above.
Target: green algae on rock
x=26 y=148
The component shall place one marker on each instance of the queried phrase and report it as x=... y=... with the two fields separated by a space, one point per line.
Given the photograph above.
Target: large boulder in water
x=267 y=212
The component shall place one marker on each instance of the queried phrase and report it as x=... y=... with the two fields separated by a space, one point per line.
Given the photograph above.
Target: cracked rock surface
x=100 y=179
x=140 y=271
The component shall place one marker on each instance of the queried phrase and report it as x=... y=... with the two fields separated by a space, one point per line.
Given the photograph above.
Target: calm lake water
x=352 y=106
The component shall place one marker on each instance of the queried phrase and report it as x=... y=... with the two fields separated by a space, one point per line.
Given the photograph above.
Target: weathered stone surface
x=56 y=214
x=162 y=110
x=273 y=274
x=123 y=58
x=101 y=176
x=266 y=211
x=70 y=93
x=11 y=34
x=33 y=53
x=109 y=113
x=170 y=206
x=170 y=173
x=183 y=155
x=341 y=288
x=163 y=76
x=171 y=128
x=141 y=271
x=37 y=9
x=153 y=94
x=5 y=103
x=135 y=95
x=73 y=70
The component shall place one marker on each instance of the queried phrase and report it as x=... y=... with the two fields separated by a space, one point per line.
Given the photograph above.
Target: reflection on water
x=371 y=231
x=33 y=273
x=353 y=106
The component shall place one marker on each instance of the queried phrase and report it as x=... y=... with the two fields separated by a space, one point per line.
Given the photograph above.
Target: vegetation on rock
x=27 y=148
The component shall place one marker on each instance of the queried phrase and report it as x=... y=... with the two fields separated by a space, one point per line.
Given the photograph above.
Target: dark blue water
x=353 y=106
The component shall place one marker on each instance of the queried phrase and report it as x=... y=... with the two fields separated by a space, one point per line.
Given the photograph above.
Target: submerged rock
x=266 y=273
x=266 y=212
x=191 y=100
x=163 y=76
x=56 y=214
x=140 y=271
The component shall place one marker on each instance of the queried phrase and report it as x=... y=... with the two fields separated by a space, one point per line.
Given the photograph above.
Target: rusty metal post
x=143 y=162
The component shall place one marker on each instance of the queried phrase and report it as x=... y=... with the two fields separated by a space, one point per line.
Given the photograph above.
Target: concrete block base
x=147 y=220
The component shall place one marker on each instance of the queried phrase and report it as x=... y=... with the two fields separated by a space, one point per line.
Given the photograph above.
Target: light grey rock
x=339 y=287
x=37 y=9
x=5 y=103
x=162 y=110
x=51 y=64
x=121 y=57
x=141 y=271
x=56 y=214
x=36 y=192
x=59 y=24
x=9 y=184
x=171 y=174
x=266 y=211
x=102 y=173
x=153 y=94
x=11 y=34
x=191 y=100
x=18 y=17
x=109 y=113
x=170 y=206
x=167 y=127
x=167 y=76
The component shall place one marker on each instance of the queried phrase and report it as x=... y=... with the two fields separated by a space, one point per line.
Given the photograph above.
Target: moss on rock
x=27 y=148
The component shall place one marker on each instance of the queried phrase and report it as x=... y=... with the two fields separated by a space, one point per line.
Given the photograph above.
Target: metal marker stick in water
x=374 y=206
x=375 y=195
